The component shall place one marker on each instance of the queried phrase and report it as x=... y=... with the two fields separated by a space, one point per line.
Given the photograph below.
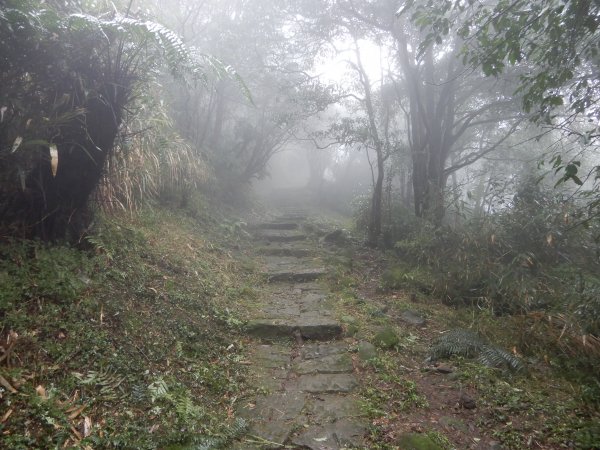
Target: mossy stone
x=415 y=441
x=366 y=351
x=386 y=338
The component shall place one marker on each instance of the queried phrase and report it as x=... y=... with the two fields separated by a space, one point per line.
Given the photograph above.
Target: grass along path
x=152 y=338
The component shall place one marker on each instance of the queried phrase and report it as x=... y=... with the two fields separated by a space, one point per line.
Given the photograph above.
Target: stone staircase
x=299 y=359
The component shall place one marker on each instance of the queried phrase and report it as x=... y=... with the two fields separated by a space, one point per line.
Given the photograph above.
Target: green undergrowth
x=514 y=367
x=131 y=341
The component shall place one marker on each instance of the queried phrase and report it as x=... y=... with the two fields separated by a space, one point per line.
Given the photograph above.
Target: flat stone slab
x=281 y=236
x=269 y=379
x=311 y=301
x=271 y=328
x=274 y=417
x=327 y=383
x=330 y=407
x=320 y=329
x=310 y=351
x=296 y=275
x=337 y=363
x=271 y=356
x=341 y=434
x=307 y=286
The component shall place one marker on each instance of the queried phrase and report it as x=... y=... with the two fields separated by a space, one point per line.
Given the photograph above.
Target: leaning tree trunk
x=58 y=205
x=374 y=230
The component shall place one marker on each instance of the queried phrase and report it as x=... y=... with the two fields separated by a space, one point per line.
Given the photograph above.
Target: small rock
x=366 y=351
x=444 y=369
x=386 y=338
x=495 y=445
x=466 y=402
x=413 y=318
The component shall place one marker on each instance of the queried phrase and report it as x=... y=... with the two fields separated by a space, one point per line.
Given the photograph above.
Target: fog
x=348 y=107
x=360 y=105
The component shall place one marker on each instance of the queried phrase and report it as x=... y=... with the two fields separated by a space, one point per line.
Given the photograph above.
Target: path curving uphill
x=299 y=359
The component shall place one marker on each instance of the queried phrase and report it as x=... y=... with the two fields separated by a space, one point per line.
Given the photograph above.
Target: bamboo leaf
x=16 y=144
x=53 y=159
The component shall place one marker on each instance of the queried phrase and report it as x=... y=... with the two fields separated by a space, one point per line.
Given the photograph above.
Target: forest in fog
x=459 y=138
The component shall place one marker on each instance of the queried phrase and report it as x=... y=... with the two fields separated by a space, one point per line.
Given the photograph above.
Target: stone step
x=276 y=225
x=285 y=251
x=341 y=434
x=315 y=328
x=293 y=217
x=274 y=417
x=337 y=383
x=281 y=236
x=340 y=363
x=296 y=275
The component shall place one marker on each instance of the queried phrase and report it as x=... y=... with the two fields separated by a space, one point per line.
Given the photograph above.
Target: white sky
x=337 y=69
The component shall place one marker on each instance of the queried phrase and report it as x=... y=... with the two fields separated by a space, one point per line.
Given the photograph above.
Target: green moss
x=386 y=338
x=414 y=441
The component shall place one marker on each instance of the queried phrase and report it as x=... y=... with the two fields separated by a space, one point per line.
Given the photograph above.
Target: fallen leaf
x=76 y=412
x=76 y=433
x=6 y=416
x=41 y=391
x=87 y=426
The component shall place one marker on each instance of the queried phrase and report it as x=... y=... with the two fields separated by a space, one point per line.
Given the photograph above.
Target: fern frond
x=232 y=432
x=105 y=381
x=158 y=389
x=496 y=357
x=468 y=344
x=457 y=342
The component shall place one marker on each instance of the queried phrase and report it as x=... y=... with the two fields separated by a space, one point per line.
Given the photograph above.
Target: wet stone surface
x=303 y=371
x=326 y=383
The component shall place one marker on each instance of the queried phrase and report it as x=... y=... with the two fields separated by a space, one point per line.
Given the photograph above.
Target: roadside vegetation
x=129 y=343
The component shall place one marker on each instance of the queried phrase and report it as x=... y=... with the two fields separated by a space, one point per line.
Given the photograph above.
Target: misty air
x=299 y=224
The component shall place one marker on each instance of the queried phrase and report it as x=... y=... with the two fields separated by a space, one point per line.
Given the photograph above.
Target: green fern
x=158 y=390
x=234 y=431
x=496 y=357
x=106 y=382
x=457 y=342
x=468 y=344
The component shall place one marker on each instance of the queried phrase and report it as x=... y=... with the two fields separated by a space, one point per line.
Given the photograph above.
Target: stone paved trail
x=299 y=360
